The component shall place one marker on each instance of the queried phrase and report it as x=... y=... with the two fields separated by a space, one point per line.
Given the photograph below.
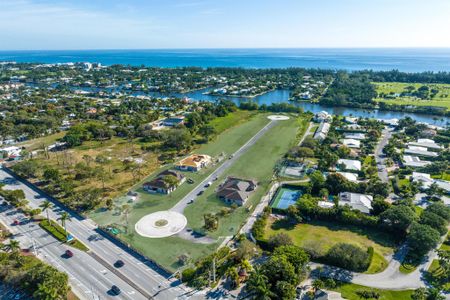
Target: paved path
x=145 y=274
x=379 y=155
x=391 y=278
x=181 y=205
x=88 y=278
x=308 y=131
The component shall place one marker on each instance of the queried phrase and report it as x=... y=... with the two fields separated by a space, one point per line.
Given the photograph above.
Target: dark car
x=199 y=193
x=115 y=290
x=16 y=222
x=190 y=201
x=119 y=264
x=68 y=253
x=190 y=180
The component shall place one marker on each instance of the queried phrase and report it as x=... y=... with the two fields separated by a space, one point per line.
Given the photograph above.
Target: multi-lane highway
x=89 y=279
x=140 y=274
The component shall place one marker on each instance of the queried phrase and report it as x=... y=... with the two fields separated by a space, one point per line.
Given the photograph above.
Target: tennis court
x=285 y=197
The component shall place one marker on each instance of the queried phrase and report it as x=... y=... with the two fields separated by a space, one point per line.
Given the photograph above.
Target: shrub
x=348 y=256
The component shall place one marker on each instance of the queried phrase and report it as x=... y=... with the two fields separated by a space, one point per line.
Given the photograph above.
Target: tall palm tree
x=46 y=206
x=64 y=217
x=259 y=286
x=13 y=246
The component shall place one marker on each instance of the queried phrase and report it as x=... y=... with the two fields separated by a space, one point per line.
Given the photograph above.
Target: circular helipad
x=160 y=224
x=278 y=118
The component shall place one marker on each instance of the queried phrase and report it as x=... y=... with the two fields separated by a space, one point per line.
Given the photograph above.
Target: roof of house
x=360 y=202
x=352 y=143
x=420 y=151
x=322 y=131
x=427 y=181
x=350 y=164
x=159 y=181
x=349 y=176
x=194 y=160
x=414 y=161
x=236 y=189
x=426 y=143
x=355 y=136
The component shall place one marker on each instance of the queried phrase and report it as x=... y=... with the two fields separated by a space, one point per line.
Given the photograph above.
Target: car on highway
x=68 y=253
x=208 y=184
x=119 y=264
x=16 y=222
x=115 y=290
x=200 y=193
x=190 y=201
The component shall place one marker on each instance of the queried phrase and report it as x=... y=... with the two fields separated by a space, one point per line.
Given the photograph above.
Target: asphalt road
x=379 y=155
x=87 y=277
x=181 y=205
x=142 y=273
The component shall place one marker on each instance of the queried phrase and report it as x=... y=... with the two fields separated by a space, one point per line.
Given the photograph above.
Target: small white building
x=414 y=161
x=10 y=151
x=426 y=143
x=349 y=176
x=355 y=136
x=420 y=151
x=351 y=143
x=360 y=202
x=322 y=131
x=426 y=181
x=350 y=164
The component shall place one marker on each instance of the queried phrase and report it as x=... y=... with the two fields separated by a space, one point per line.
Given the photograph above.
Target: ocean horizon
x=378 y=59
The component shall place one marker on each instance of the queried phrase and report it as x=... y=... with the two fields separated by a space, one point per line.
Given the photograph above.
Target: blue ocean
x=403 y=59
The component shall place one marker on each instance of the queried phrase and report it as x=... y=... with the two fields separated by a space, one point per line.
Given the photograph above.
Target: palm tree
x=64 y=217
x=46 y=206
x=259 y=286
x=13 y=246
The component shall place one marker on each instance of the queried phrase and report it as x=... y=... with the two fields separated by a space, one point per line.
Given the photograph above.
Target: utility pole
x=34 y=247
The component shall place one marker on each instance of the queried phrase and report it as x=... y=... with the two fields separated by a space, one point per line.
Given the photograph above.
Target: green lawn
x=251 y=165
x=442 y=99
x=58 y=232
x=321 y=236
x=436 y=270
x=223 y=123
x=349 y=291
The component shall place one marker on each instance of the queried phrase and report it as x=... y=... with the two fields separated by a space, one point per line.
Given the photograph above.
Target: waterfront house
x=322 y=116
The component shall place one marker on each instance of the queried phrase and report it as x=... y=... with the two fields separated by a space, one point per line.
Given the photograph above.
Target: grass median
x=58 y=232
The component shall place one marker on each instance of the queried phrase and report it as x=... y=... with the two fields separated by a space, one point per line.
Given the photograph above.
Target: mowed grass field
x=442 y=98
x=350 y=291
x=257 y=163
x=321 y=236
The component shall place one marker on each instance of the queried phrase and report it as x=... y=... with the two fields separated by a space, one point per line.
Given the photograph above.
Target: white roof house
x=422 y=151
x=350 y=164
x=325 y=204
x=13 y=150
x=351 y=120
x=360 y=202
x=426 y=181
x=355 y=136
x=349 y=176
x=323 y=116
x=426 y=143
x=414 y=161
x=351 y=143
x=322 y=131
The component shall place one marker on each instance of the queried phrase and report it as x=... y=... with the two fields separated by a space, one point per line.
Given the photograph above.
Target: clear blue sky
x=126 y=24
